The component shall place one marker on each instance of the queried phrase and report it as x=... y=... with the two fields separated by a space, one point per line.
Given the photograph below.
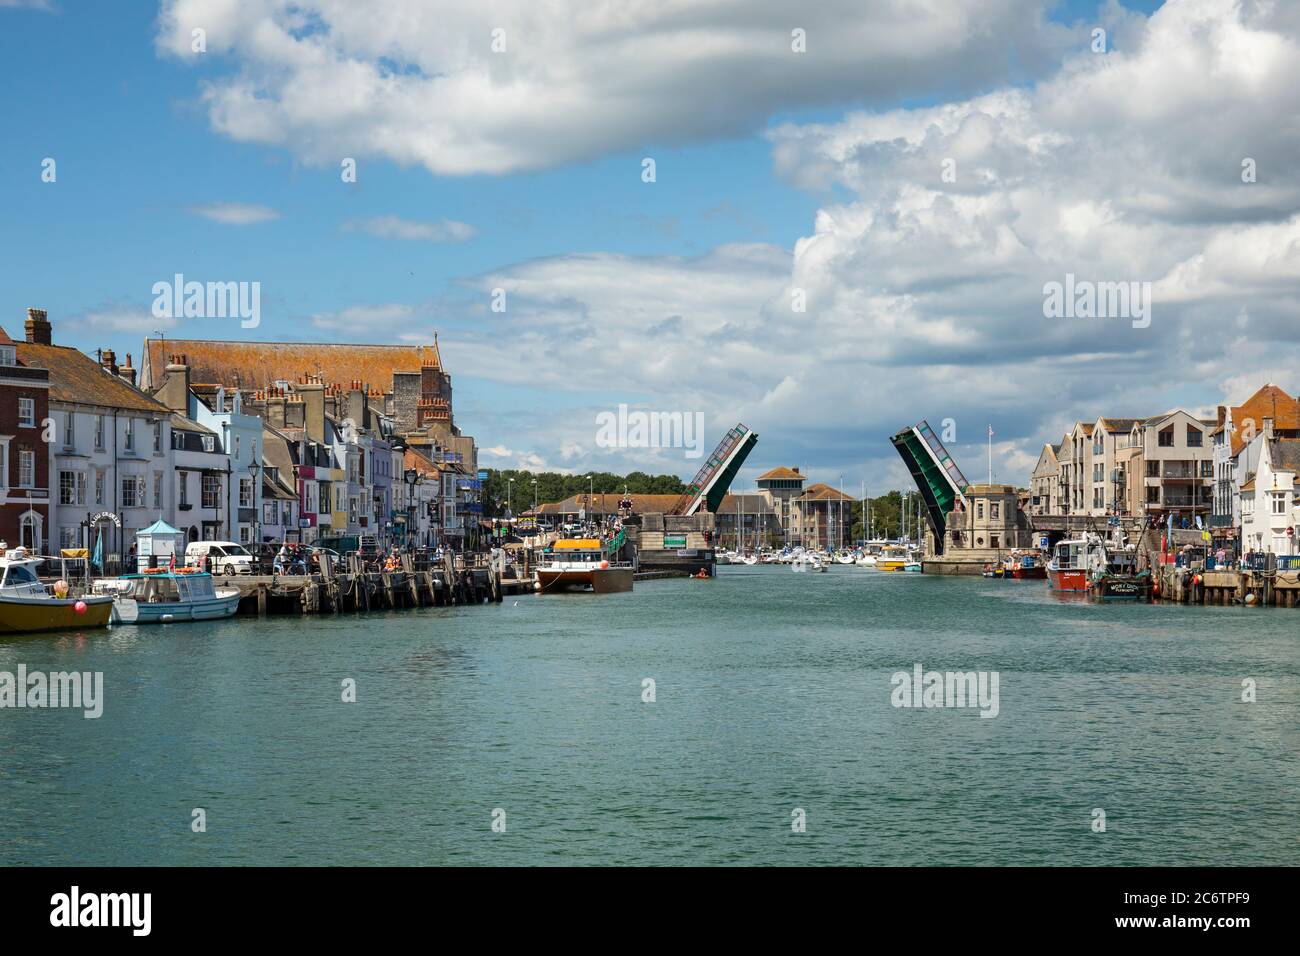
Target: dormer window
x=8 y=355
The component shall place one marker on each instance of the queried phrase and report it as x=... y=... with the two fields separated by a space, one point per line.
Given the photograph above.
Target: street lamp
x=591 y=495
x=254 y=468
x=412 y=478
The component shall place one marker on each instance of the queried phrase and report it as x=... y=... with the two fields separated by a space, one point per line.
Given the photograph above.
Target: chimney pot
x=37 y=327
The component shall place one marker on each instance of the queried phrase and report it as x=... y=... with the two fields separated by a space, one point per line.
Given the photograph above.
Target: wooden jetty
x=1265 y=587
x=348 y=587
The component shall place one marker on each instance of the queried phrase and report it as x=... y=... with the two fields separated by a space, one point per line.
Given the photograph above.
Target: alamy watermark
x=1084 y=299
x=65 y=689
x=211 y=300
x=626 y=429
x=75 y=908
x=923 y=688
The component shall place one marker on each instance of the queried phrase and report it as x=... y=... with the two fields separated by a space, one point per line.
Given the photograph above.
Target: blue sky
x=138 y=148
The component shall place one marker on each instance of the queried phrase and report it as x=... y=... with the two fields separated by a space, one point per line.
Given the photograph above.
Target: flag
x=97 y=559
x=990 y=431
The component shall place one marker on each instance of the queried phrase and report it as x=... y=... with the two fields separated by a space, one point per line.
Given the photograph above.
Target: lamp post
x=591 y=495
x=254 y=469
x=411 y=476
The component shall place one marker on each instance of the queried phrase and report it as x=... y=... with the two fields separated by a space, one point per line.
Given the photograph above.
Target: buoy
x=604 y=565
x=1250 y=598
x=80 y=607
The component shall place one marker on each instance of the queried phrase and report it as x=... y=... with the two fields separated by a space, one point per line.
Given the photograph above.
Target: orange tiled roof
x=258 y=364
x=823 y=492
x=1269 y=402
x=782 y=474
x=76 y=378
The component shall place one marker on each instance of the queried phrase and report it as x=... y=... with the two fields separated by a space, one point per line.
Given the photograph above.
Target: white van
x=228 y=557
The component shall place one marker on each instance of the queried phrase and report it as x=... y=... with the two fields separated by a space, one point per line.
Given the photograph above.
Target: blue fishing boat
x=166 y=595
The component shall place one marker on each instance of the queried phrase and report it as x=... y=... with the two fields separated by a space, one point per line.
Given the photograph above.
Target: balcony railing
x=1184 y=501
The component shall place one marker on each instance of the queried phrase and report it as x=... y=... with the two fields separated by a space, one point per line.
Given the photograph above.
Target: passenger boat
x=27 y=607
x=165 y=596
x=580 y=564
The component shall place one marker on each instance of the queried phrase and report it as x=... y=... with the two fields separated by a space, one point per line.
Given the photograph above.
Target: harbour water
x=772 y=692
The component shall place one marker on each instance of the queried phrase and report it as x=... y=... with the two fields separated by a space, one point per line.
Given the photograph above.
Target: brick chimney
x=295 y=413
x=312 y=392
x=275 y=407
x=108 y=359
x=37 y=327
x=175 y=389
x=127 y=371
x=358 y=409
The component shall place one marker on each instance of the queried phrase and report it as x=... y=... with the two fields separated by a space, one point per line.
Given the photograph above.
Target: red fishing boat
x=1068 y=569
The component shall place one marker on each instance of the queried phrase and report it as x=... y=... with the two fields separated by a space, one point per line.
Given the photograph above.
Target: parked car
x=227 y=557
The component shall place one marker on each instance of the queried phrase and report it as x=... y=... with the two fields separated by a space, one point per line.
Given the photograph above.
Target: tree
x=553 y=486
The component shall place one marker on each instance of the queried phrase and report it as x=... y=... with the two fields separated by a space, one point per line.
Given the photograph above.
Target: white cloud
x=420 y=84
x=925 y=297
x=394 y=227
x=364 y=318
x=234 y=213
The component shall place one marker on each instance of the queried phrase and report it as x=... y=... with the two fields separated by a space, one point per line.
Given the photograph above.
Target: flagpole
x=990 y=454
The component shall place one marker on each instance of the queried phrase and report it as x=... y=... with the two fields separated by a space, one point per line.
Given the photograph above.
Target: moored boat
x=1071 y=559
x=580 y=564
x=165 y=596
x=26 y=606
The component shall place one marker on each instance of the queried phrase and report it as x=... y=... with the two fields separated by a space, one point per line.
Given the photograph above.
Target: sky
x=914 y=178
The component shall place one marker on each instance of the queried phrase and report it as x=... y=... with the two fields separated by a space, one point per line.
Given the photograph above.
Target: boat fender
x=79 y=607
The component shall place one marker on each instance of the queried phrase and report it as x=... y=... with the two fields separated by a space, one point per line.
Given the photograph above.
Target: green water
x=772 y=693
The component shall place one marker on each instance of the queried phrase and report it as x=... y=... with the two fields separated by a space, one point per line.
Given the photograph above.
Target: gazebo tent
x=160 y=540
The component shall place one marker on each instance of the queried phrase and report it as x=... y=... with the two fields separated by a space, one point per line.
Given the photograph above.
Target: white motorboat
x=167 y=596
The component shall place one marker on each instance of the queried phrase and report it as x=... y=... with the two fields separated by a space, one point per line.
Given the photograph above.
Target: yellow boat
x=582 y=563
x=26 y=607
x=894 y=559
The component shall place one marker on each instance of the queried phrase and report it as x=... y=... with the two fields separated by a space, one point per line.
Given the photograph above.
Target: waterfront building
x=25 y=455
x=822 y=517
x=1045 y=483
x=216 y=459
x=780 y=486
x=1270 y=504
x=991 y=524
x=426 y=494
x=1237 y=442
x=199 y=495
x=747 y=520
x=281 y=489
x=1109 y=465
x=1172 y=469
x=110 y=447
x=359 y=401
